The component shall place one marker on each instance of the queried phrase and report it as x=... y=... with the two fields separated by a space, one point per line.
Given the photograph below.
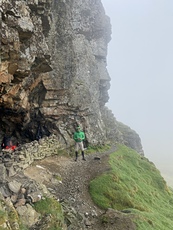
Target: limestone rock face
x=24 y=58
x=53 y=72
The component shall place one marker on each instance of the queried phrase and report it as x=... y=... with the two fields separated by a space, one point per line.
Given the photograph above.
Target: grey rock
x=20 y=202
x=3 y=174
x=87 y=222
x=28 y=215
x=14 y=186
x=4 y=190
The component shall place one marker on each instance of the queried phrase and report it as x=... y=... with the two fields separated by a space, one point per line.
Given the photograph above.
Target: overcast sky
x=140 y=64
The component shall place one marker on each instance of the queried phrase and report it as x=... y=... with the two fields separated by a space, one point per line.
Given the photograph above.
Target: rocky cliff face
x=53 y=72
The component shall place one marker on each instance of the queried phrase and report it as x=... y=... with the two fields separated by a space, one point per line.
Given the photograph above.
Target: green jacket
x=79 y=136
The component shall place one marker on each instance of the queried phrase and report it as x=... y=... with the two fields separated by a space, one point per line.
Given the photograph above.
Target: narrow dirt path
x=75 y=177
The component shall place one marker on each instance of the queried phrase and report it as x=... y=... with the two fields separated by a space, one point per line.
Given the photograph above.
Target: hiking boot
x=83 y=157
x=76 y=155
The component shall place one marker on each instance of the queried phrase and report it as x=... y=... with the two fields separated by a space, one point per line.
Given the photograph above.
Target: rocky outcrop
x=16 y=201
x=130 y=138
x=118 y=132
x=24 y=57
x=18 y=191
x=53 y=72
x=117 y=219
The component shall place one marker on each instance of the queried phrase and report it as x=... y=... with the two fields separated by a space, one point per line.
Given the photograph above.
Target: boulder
x=28 y=215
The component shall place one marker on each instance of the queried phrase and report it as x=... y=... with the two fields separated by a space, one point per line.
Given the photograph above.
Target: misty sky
x=140 y=64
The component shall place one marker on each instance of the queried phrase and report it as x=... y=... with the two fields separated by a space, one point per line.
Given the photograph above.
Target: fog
x=139 y=62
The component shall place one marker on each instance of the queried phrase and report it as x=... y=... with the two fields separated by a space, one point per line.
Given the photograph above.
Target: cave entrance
x=11 y=124
x=15 y=125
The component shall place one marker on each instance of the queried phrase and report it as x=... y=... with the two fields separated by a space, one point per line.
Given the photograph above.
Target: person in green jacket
x=79 y=136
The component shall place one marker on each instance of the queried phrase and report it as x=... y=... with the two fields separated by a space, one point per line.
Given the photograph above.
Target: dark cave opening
x=11 y=123
x=14 y=125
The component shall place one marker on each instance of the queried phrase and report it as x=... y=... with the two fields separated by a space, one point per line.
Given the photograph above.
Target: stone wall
x=13 y=162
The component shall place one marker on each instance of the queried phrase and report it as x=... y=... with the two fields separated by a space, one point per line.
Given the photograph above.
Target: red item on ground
x=11 y=147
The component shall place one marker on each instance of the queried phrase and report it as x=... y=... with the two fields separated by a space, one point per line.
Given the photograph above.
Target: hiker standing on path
x=79 y=136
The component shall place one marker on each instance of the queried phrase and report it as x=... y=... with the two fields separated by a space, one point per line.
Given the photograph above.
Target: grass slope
x=52 y=208
x=134 y=184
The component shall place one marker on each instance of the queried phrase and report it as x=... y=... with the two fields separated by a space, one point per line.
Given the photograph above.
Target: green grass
x=97 y=148
x=51 y=207
x=7 y=213
x=3 y=216
x=135 y=184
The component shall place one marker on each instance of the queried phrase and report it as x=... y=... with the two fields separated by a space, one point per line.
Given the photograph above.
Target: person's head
x=78 y=129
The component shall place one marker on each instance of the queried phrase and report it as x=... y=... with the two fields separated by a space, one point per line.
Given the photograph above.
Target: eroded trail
x=76 y=177
x=73 y=192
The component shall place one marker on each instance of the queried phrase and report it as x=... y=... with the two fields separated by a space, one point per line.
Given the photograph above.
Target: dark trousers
x=83 y=157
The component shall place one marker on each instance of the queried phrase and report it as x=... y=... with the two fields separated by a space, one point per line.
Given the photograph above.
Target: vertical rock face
x=25 y=58
x=79 y=82
x=53 y=72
